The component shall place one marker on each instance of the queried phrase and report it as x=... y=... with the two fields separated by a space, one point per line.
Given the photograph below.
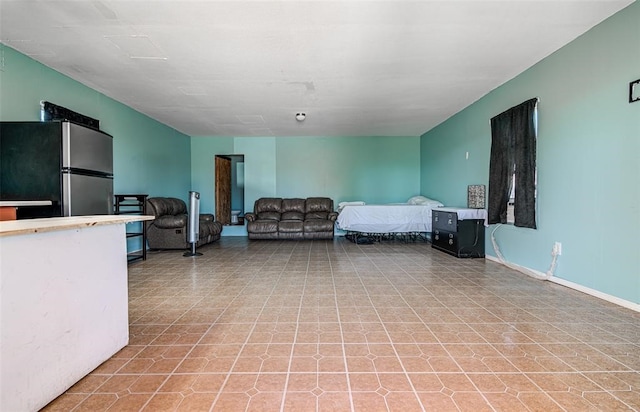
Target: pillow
x=421 y=200
x=341 y=205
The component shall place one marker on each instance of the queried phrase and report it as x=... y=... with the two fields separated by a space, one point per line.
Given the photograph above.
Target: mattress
x=391 y=218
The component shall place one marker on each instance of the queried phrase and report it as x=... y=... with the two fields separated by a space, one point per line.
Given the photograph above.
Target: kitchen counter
x=18 y=203
x=25 y=226
x=8 y=207
x=64 y=303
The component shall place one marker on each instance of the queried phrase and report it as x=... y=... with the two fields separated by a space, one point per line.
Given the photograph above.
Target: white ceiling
x=245 y=68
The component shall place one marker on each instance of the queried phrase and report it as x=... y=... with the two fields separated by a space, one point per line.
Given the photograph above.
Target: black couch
x=278 y=218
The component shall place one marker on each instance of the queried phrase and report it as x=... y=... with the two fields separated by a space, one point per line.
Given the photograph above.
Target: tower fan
x=193 y=229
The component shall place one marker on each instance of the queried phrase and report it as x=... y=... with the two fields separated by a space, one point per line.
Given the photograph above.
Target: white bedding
x=468 y=214
x=391 y=218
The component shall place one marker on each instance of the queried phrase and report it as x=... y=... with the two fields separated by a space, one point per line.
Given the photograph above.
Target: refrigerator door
x=87 y=195
x=86 y=149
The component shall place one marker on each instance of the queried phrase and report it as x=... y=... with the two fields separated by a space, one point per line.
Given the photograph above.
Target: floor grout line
x=453 y=333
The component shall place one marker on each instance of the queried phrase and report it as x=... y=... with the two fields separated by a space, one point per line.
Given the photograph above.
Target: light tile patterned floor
x=334 y=326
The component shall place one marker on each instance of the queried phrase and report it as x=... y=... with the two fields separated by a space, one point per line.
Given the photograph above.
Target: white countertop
x=26 y=226
x=18 y=203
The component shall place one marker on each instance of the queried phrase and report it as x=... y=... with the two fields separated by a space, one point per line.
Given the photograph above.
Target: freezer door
x=30 y=161
x=86 y=149
x=87 y=195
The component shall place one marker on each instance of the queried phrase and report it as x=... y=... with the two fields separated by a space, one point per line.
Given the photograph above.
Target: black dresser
x=459 y=232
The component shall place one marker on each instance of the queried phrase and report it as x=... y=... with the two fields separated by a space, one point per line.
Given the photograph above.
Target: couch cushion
x=293 y=205
x=268 y=204
x=209 y=227
x=263 y=226
x=269 y=216
x=293 y=216
x=291 y=226
x=316 y=215
x=170 y=221
x=319 y=204
x=318 y=225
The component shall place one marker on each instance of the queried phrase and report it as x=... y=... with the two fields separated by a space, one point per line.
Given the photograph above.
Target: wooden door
x=223 y=190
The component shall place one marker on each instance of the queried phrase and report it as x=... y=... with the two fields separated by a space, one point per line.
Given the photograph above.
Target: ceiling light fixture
x=300 y=117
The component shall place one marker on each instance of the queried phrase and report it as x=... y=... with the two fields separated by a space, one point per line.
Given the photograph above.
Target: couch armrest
x=207 y=217
x=333 y=216
x=250 y=217
x=170 y=222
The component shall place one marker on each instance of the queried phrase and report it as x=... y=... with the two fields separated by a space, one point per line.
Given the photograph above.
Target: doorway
x=229 y=190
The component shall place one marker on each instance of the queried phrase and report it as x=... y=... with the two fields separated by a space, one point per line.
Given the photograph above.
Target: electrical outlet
x=558 y=248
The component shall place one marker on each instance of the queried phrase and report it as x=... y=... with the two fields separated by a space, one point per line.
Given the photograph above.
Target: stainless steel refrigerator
x=69 y=164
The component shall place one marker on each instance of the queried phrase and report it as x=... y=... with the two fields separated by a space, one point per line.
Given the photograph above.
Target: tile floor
x=334 y=326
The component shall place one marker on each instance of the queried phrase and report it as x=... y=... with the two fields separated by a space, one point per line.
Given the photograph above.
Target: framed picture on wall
x=634 y=91
x=475 y=196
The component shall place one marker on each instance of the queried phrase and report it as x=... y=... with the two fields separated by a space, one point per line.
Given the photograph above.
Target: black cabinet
x=456 y=236
x=133 y=205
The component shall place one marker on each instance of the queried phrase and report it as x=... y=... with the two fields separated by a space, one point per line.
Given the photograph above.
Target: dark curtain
x=513 y=148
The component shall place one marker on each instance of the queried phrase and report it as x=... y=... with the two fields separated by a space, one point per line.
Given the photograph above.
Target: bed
x=411 y=218
x=392 y=218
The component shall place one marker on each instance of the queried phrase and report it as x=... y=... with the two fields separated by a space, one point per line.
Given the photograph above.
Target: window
x=513 y=165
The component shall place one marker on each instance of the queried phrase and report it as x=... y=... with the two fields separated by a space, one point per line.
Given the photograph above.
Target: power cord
x=526 y=271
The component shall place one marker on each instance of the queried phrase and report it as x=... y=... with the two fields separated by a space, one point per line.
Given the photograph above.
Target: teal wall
x=588 y=168
x=149 y=157
x=371 y=169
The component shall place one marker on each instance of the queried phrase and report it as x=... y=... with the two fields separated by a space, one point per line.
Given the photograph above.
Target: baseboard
x=609 y=298
x=580 y=288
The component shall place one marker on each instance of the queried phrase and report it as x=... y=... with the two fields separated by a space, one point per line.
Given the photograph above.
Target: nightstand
x=459 y=232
